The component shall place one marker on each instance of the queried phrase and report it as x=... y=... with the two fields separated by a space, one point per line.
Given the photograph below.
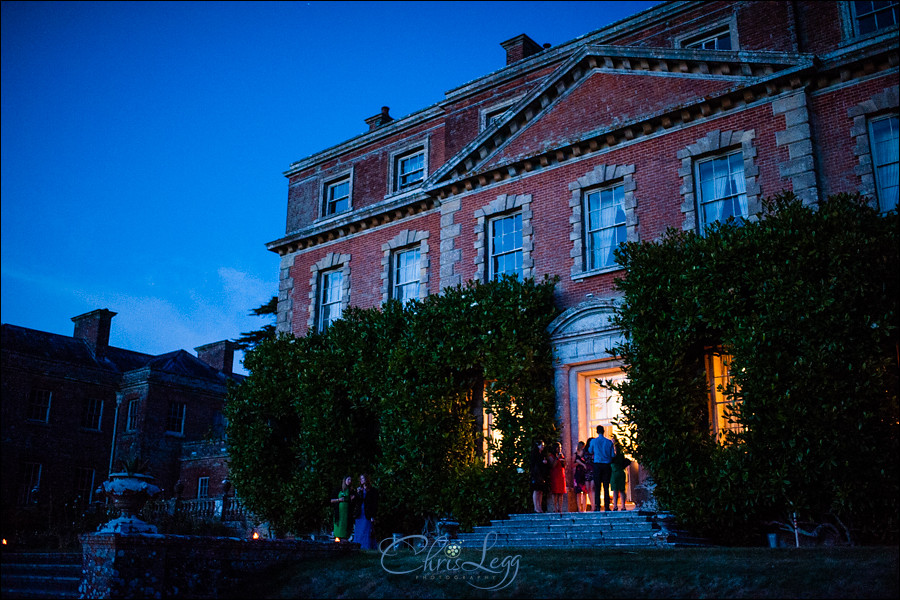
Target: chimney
x=380 y=119
x=93 y=328
x=218 y=355
x=520 y=47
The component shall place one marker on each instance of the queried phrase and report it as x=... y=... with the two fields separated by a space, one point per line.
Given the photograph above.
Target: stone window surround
x=405 y=240
x=411 y=147
x=708 y=30
x=331 y=262
x=504 y=205
x=797 y=138
x=494 y=108
x=713 y=143
x=848 y=23
x=880 y=104
x=332 y=178
x=601 y=176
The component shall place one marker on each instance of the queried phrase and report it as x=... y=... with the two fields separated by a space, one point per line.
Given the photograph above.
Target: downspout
x=120 y=398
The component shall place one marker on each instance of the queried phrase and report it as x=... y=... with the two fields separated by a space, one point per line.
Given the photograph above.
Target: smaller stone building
x=73 y=407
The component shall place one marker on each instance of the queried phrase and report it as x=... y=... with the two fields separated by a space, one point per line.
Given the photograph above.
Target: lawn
x=639 y=573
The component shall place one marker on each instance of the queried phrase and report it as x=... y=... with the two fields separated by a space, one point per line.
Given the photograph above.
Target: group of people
x=355 y=511
x=599 y=465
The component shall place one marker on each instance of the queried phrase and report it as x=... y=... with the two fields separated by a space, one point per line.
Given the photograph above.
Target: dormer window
x=410 y=169
x=718 y=39
x=870 y=16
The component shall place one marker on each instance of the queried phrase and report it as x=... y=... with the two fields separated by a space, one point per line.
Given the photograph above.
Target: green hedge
x=805 y=300
x=391 y=392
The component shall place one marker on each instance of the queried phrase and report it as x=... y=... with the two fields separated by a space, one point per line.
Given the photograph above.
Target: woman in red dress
x=557 y=477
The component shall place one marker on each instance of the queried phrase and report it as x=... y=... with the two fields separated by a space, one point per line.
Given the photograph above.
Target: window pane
x=605 y=226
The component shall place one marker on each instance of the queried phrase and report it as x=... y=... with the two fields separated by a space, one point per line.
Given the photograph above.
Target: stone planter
x=128 y=493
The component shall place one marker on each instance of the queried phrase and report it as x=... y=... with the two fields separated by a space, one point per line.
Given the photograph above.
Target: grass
x=863 y=572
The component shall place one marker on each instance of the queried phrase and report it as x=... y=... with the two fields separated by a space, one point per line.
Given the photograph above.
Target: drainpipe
x=120 y=398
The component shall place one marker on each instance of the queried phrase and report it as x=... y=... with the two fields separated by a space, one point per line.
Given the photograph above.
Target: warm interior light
x=4 y=541
x=255 y=535
x=335 y=539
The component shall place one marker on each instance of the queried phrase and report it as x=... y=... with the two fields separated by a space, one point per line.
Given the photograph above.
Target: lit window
x=885 y=149
x=337 y=197
x=605 y=225
x=721 y=188
x=203 y=487
x=84 y=485
x=721 y=395
x=29 y=483
x=131 y=422
x=873 y=16
x=604 y=404
x=506 y=246
x=406 y=275
x=410 y=169
x=330 y=298
x=39 y=406
x=92 y=416
x=717 y=40
x=175 y=419
x=492 y=437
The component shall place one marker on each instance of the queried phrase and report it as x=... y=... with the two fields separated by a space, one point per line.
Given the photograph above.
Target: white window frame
x=398 y=284
x=325 y=287
x=620 y=233
x=879 y=168
x=487 y=115
x=29 y=482
x=131 y=420
x=403 y=153
x=329 y=199
x=855 y=18
x=494 y=254
x=177 y=412
x=733 y=197
x=399 y=172
x=39 y=401
x=713 y=36
x=92 y=418
x=202 y=488
x=712 y=31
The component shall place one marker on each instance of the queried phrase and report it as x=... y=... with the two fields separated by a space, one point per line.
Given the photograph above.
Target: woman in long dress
x=366 y=509
x=557 y=463
x=342 y=523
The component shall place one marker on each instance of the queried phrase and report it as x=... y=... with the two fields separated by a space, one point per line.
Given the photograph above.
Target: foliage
x=251 y=339
x=805 y=300
x=397 y=392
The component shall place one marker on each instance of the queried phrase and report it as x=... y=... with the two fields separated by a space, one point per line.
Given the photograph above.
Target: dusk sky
x=143 y=143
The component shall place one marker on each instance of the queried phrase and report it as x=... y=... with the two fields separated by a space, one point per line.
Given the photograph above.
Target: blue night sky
x=143 y=143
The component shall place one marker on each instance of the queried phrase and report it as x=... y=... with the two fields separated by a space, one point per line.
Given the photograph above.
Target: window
x=175 y=419
x=605 y=225
x=719 y=39
x=506 y=246
x=39 y=405
x=92 y=415
x=721 y=188
x=84 y=485
x=872 y=16
x=721 y=395
x=885 y=150
x=330 y=298
x=406 y=275
x=604 y=404
x=409 y=169
x=337 y=197
x=131 y=422
x=29 y=483
x=203 y=487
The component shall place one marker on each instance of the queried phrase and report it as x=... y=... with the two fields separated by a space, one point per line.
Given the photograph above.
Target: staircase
x=580 y=530
x=40 y=574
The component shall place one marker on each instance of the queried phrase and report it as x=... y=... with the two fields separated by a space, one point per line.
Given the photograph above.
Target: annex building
x=681 y=115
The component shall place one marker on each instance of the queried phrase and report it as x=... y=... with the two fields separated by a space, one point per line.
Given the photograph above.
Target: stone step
x=40 y=575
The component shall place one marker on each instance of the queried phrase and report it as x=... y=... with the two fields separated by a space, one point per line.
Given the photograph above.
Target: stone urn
x=128 y=493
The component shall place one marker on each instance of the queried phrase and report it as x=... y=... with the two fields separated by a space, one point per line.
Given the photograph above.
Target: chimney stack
x=218 y=355
x=380 y=119
x=520 y=47
x=93 y=328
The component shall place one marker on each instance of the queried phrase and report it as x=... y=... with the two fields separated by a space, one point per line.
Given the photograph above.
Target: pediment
x=545 y=125
x=587 y=318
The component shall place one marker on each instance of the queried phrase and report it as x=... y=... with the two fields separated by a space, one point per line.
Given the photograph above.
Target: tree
x=805 y=301
x=397 y=392
x=251 y=339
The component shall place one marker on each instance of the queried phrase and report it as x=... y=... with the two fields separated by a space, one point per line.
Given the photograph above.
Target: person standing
x=580 y=478
x=365 y=510
x=603 y=450
x=539 y=474
x=617 y=482
x=342 y=523
x=557 y=461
